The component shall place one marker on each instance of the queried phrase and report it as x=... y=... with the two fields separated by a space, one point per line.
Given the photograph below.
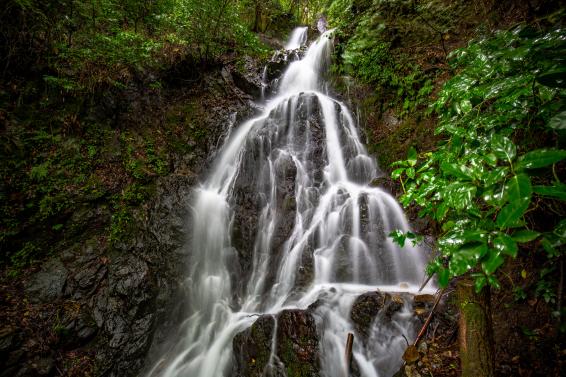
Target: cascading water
x=288 y=218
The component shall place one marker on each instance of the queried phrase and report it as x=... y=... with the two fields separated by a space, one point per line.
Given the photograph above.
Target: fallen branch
x=427 y=322
x=349 y=345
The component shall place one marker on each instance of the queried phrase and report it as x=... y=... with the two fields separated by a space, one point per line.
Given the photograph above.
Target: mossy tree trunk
x=475 y=330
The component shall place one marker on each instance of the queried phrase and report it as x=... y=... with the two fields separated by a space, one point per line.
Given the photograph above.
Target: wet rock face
x=368 y=306
x=98 y=308
x=48 y=284
x=277 y=65
x=296 y=343
x=252 y=187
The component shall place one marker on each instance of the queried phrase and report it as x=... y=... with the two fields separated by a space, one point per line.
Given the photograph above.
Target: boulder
x=296 y=346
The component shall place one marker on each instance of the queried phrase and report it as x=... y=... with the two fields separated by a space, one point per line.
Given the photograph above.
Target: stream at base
x=287 y=220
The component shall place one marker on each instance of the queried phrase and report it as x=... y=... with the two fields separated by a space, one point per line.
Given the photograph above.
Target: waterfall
x=286 y=217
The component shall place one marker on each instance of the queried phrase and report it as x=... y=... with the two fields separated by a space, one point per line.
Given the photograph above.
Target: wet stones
x=296 y=352
x=368 y=306
x=48 y=284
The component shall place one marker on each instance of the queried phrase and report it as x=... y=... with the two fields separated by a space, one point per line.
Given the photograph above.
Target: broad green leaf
x=503 y=148
x=519 y=188
x=395 y=174
x=522 y=236
x=494 y=196
x=556 y=191
x=558 y=122
x=412 y=156
x=465 y=258
x=443 y=275
x=410 y=172
x=459 y=195
x=474 y=236
x=466 y=106
x=480 y=282
x=506 y=245
x=441 y=211
x=493 y=281
x=455 y=170
x=493 y=261
x=494 y=176
x=512 y=212
x=540 y=158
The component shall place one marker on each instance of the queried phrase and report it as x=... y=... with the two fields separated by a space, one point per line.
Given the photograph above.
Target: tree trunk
x=475 y=331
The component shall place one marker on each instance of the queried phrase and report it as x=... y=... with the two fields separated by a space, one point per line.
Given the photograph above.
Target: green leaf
x=460 y=195
x=540 y=158
x=455 y=170
x=506 y=245
x=480 y=282
x=395 y=174
x=412 y=156
x=466 y=257
x=466 y=106
x=519 y=188
x=512 y=212
x=558 y=122
x=556 y=191
x=523 y=236
x=410 y=172
x=519 y=192
x=443 y=275
x=549 y=248
x=492 y=280
x=493 y=261
x=503 y=148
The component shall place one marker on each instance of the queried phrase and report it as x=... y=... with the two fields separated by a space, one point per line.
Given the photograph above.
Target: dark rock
x=48 y=284
x=369 y=306
x=247 y=81
x=44 y=366
x=296 y=351
x=365 y=310
x=9 y=339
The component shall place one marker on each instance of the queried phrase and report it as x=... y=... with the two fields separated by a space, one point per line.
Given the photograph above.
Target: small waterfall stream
x=288 y=218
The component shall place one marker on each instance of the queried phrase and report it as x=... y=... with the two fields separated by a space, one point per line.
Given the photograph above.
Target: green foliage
x=369 y=55
x=498 y=116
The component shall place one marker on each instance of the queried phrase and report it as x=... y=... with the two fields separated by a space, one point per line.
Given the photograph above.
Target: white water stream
x=338 y=222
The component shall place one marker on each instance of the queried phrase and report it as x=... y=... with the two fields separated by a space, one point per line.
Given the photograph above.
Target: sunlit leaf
x=412 y=156
x=519 y=188
x=443 y=275
x=506 y=245
x=493 y=261
x=503 y=148
x=395 y=174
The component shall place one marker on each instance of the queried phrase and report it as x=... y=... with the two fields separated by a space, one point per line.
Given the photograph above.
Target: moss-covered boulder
x=296 y=346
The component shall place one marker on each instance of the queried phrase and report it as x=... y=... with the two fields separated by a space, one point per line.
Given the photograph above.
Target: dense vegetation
x=502 y=118
x=70 y=70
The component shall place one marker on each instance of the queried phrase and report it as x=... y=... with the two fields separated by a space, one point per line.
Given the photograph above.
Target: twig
x=426 y=282
x=427 y=322
x=349 y=345
x=560 y=285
